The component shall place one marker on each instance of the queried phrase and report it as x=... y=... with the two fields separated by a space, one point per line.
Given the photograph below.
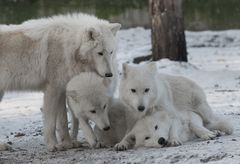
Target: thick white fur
x=158 y=125
x=119 y=119
x=169 y=93
x=44 y=54
x=86 y=93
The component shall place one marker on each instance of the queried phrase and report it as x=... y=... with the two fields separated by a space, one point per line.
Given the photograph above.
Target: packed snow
x=214 y=60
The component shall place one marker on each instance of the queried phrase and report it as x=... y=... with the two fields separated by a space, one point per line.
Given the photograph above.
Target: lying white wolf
x=154 y=129
x=44 y=54
x=142 y=88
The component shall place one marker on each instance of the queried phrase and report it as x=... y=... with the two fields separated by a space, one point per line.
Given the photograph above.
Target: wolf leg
x=62 y=124
x=196 y=126
x=88 y=132
x=52 y=102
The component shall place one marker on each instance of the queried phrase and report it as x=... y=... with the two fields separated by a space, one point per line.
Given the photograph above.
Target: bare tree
x=168 y=38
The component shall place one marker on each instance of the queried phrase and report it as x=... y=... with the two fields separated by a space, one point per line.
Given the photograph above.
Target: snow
x=214 y=59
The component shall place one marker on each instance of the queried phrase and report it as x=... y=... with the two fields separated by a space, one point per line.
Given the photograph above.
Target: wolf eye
x=93 y=111
x=146 y=90
x=146 y=138
x=111 y=52
x=156 y=127
x=133 y=90
x=100 y=53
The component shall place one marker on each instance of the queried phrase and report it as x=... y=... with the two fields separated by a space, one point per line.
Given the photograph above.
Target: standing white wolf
x=44 y=54
x=143 y=88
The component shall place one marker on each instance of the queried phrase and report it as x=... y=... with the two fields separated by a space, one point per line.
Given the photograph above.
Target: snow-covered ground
x=214 y=63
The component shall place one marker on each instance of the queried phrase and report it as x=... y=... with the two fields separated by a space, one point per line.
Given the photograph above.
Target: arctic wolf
x=142 y=88
x=88 y=97
x=153 y=130
x=44 y=54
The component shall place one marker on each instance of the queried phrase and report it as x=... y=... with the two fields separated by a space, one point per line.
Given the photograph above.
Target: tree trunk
x=168 y=38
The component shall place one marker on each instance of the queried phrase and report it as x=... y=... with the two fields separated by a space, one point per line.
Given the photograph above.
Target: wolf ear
x=93 y=34
x=72 y=94
x=115 y=27
x=152 y=67
x=125 y=70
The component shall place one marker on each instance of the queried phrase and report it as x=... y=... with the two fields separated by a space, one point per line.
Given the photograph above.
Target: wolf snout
x=162 y=141
x=108 y=74
x=106 y=128
x=141 y=108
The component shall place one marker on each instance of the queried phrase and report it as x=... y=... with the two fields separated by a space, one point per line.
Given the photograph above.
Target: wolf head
x=152 y=130
x=98 y=49
x=138 y=88
x=88 y=96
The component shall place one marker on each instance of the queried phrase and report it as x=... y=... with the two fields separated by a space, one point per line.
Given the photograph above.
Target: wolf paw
x=76 y=144
x=218 y=133
x=174 y=142
x=61 y=146
x=54 y=148
x=208 y=136
x=122 y=146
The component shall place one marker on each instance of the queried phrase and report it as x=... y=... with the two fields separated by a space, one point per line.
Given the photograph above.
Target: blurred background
x=198 y=14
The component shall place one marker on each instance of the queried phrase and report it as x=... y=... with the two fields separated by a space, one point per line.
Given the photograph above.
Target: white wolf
x=153 y=130
x=88 y=97
x=142 y=88
x=44 y=54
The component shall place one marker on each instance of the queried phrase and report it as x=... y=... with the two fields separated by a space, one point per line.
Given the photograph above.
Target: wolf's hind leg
x=196 y=126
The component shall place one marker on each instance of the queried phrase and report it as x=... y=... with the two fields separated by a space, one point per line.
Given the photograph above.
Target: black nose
x=161 y=141
x=141 y=108
x=108 y=75
x=106 y=128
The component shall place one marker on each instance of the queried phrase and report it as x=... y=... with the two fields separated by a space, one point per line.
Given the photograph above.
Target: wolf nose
x=106 y=128
x=141 y=108
x=108 y=74
x=161 y=141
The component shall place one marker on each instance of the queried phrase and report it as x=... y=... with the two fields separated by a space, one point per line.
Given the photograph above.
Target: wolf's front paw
x=121 y=146
x=76 y=144
x=57 y=147
x=92 y=143
x=174 y=142
x=209 y=135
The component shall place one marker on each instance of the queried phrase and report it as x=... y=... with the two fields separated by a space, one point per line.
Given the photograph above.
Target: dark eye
x=156 y=127
x=100 y=53
x=133 y=90
x=111 y=52
x=146 y=138
x=104 y=106
x=146 y=90
x=93 y=111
